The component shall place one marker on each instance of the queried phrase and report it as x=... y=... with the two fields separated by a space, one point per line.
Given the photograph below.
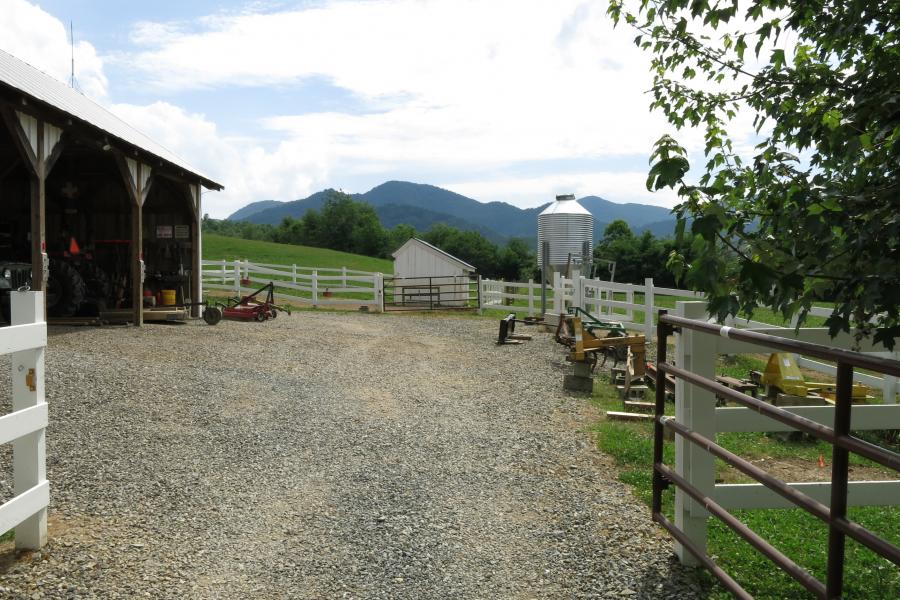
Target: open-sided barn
x=91 y=210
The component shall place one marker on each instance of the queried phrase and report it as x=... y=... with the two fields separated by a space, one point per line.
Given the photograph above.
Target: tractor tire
x=65 y=290
x=260 y=317
x=96 y=283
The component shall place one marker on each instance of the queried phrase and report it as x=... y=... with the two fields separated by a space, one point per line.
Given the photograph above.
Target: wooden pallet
x=640 y=407
x=613 y=415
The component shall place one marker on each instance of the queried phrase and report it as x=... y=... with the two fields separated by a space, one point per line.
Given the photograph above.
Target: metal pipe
x=817 y=509
x=839 y=465
x=811 y=505
x=724 y=578
x=783 y=562
x=545 y=261
x=662 y=336
x=863 y=361
x=884 y=457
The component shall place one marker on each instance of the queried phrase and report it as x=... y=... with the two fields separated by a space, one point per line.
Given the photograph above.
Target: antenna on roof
x=72 y=47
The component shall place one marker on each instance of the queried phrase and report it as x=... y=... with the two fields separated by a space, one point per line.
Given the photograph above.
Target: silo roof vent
x=565 y=205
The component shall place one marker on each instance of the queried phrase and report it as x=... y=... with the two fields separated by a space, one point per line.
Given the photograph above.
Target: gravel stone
x=328 y=455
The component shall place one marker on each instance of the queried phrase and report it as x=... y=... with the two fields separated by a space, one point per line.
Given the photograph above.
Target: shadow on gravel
x=675 y=581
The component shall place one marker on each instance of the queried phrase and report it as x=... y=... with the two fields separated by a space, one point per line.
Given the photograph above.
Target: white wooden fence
x=599 y=298
x=297 y=284
x=25 y=426
x=696 y=409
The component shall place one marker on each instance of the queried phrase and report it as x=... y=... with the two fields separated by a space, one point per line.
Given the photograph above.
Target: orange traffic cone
x=73 y=247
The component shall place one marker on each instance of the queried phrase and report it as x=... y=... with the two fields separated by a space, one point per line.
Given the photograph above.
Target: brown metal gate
x=839 y=437
x=449 y=292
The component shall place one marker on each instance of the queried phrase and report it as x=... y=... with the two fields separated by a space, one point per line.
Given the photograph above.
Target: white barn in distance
x=426 y=274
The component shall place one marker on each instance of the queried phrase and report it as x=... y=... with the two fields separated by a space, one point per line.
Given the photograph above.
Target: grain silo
x=567 y=228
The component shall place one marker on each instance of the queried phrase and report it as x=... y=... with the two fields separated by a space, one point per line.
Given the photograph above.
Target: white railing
x=617 y=301
x=297 y=284
x=695 y=408
x=624 y=301
x=26 y=425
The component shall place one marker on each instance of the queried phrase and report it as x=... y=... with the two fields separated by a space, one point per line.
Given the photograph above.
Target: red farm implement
x=250 y=307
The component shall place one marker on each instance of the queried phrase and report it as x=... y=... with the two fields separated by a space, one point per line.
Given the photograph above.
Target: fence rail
x=297 y=284
x=605 y=299
x=697 y=420
x=26 y=425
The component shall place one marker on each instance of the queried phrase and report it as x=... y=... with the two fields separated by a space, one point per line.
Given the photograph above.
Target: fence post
x=294 y=273
x=696 y=409
x=891 y=387
x=315 y=288
x=480 y=296
x=579 y=292
x=531 y=297
x=378 y=284
x=29 y=451
x=237 y=277
x=343 y=276
x=558 y=292
x=649 y=310
x=224 y=274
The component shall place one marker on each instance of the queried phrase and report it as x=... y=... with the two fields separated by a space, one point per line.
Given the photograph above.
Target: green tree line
x=347 y=225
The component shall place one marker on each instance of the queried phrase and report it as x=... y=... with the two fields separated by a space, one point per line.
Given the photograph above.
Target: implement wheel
x=212 y=315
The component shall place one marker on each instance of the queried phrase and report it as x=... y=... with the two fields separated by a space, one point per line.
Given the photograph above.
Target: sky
x=499 y=100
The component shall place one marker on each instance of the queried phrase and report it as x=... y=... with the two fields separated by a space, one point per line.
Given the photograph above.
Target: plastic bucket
x=168 y=298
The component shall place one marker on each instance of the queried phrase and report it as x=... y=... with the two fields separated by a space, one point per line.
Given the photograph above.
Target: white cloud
x=247 y=169
x=466 y=89
x=40 y=39
x=468 y=85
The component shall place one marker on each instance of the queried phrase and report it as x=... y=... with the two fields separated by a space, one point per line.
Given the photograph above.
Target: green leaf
x=832 y=118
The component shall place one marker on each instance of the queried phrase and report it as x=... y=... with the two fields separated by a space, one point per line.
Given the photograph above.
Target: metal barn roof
x=414 y=240
x=21 y=76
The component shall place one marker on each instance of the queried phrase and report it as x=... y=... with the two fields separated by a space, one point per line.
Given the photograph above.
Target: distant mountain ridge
x=423 y=205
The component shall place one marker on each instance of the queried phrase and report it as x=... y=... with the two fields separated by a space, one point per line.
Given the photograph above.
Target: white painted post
x=649 y=309
x=237 y=277
x=378 y=284
x=629 y=312
x=530 y=297
x=343 y=276
x=579 y=292
x=558 y=291
x=315 y=288
x=294 y=274
x=29 y=451
x=480 y=296
x=696 y=409
x=224 y=267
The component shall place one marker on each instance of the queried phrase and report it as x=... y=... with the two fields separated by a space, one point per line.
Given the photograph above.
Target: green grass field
x=218 y=247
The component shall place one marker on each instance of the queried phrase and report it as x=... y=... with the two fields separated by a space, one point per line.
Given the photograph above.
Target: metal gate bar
x=839 y=437
x=447 y=292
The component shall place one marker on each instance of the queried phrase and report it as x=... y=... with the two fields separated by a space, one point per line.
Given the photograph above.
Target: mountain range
x=422 y=205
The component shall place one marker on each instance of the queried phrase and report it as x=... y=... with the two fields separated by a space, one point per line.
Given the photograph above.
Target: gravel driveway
x=328 y=455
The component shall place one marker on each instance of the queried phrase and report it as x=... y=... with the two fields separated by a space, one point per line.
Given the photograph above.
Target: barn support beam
x=40 y=145
x=137 y=181
x=196 y=251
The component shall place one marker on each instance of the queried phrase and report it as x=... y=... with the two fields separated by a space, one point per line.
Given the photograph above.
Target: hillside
x=217 y=247
x=422 y=206
x=253 y=208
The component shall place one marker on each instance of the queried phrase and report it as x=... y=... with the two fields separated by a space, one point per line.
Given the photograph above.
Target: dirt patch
x=802 y=470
